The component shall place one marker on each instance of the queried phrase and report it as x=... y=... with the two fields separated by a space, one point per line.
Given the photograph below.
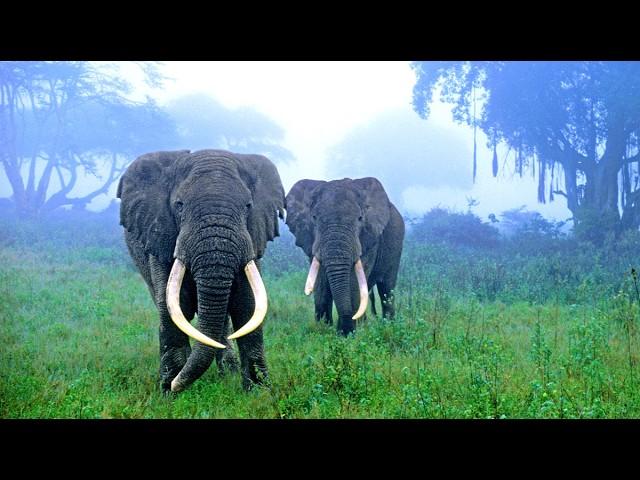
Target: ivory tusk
x=311 y=278
x=173 y=305
x=260 y=297
x=364 y=290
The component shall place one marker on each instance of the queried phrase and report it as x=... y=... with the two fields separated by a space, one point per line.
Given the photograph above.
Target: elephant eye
x=360 y=218
x=249 y=205
x=314 y=217
x=178 y=206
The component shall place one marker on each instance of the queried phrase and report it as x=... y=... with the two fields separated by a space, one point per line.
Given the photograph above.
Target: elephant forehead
x=339 y=195
x=213 y=167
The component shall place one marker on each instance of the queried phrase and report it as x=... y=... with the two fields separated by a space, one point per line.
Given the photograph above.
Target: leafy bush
x=521 y=222
x=440 y=225
x=531 y=260
x=592 y=226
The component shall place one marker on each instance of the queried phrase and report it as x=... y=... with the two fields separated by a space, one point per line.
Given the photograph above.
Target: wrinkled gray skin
x=338 y=222
x=216 y=210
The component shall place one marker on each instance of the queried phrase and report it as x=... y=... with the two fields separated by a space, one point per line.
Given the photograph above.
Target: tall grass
x=480 y=333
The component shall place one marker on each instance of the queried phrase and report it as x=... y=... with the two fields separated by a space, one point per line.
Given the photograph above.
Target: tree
x=519 y=221
x=205 y=123
x=62 y=120
x=576 y=120
x=440 y=225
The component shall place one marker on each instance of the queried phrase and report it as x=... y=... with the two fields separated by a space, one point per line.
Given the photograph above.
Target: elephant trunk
x=339 y=277
x=215 y=260
x=340 y=256
x=213 y=300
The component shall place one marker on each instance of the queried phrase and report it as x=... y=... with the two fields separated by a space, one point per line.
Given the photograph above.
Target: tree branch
x=560 y=192
x=59 y=199
x=14 y=179
x=635 y=158
x=43 y=184
x=60 y=177
x=569 y=150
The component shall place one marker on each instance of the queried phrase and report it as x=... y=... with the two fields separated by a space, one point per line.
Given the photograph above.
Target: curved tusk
x=364 y=290
x=173 y=305
x=311 y=278
x=260 y=297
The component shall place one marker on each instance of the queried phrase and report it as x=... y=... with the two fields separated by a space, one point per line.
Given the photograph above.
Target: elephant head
x=337 y=224
x=206 y=214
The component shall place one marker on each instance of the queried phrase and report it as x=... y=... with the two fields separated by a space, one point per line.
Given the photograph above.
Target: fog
x=324 y=120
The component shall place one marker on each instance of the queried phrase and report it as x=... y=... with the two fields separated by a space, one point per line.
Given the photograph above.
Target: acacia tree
x=574 y=125
x=61 y=120
x=205 y=123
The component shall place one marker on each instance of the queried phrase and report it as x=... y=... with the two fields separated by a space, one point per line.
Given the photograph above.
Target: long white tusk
x=311 y=278
x=364 y=290
x=173 y=305
x=260 y=297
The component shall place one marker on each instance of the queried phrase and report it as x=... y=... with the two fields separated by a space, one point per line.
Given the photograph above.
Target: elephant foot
x=325 y=316
x=255 y=375
x=227 y=361
x=171 y=363
x=346 y=326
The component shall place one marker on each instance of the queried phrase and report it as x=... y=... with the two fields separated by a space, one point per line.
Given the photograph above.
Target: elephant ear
x=376 y=204
x=298 y=204
x=144 y=211
x=261 y=177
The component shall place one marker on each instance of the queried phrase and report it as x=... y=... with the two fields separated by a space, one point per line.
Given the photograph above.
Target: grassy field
x=477 y=336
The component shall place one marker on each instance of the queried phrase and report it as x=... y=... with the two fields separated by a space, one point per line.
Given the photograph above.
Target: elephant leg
x=174 y=344
x=385 y=290
x=372 y=300
x=323 y=300
x=226 y=359
x=253 y=364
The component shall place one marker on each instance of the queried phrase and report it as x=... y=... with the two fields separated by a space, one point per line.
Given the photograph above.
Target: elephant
x=352 y=235
x=196 y=225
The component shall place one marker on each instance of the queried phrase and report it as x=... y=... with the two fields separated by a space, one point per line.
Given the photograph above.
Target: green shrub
x=440 y=225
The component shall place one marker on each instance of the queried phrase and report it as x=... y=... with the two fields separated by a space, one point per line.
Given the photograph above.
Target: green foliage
x=595 y=226
x=533 y=261
x=62 y=121
x=582 y=117
x=529 y=226
x=442 y=225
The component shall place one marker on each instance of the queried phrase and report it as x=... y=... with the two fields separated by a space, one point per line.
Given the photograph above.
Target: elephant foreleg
x=372 y=301
x=253 y=364
x=174 y=344
x=385 y=290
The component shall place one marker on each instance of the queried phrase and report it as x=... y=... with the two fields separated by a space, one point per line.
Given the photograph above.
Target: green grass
x=79 y=339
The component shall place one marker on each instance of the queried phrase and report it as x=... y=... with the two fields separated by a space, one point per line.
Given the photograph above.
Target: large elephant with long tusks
x=353 y=236
x=196 y=225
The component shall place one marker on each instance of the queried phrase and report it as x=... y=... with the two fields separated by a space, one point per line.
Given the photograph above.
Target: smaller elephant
x=196 y=225
x=353 y=236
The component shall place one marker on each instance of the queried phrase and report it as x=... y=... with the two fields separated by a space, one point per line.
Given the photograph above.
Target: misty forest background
x=507 y=316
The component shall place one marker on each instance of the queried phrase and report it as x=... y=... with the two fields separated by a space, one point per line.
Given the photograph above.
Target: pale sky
x=319 y=103
x=316 y=103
